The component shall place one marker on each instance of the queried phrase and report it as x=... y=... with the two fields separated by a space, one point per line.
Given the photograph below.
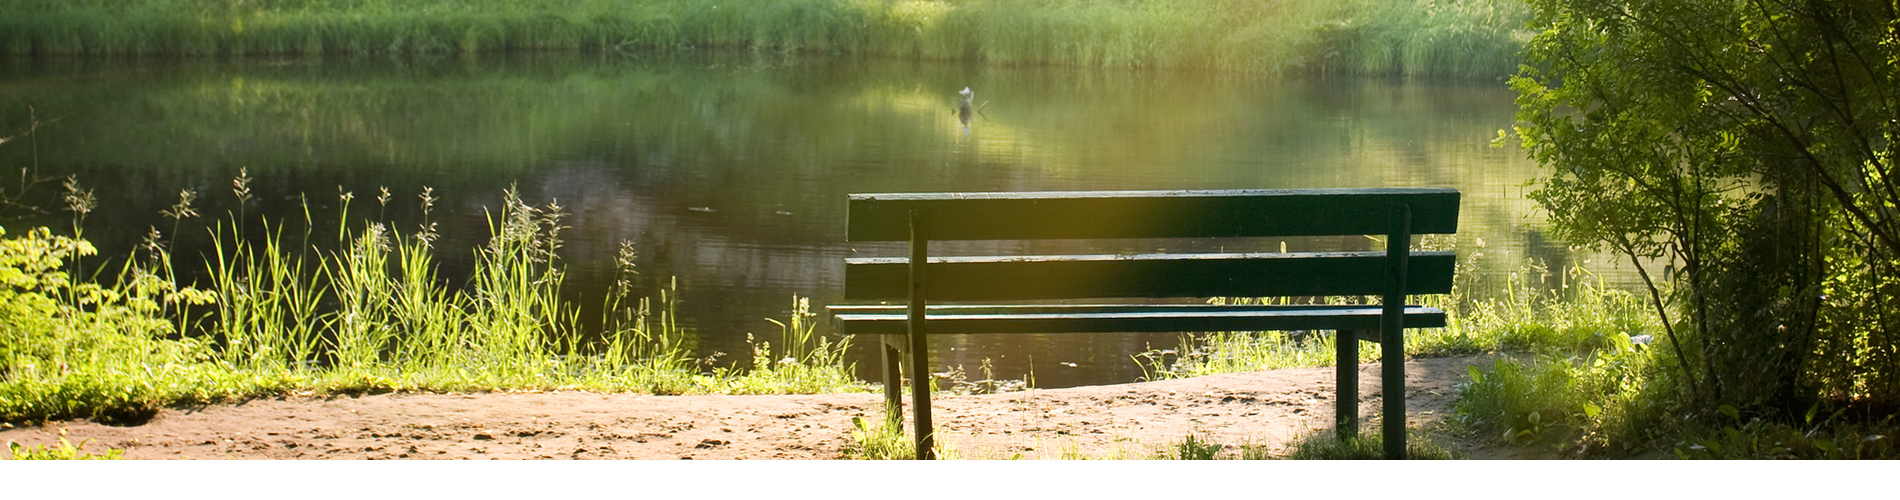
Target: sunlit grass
x=367 y=315
x=1326 y=445
x=1408 y=37
x=65 y=450
x=1571 y=311
x=877 y=439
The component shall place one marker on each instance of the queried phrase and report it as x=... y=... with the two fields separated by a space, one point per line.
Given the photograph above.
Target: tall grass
x=369 y=314
x=1530 y=309
x=1470 y=38
x=881 y=440
x=1409 y=37
x=1621 y=399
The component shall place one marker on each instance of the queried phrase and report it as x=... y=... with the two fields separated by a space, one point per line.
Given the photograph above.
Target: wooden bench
x=961 y=295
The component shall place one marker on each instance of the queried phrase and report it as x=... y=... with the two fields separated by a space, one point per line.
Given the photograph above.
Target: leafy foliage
x=71 y=349
x=65 y=450
x=1813 y=438
x=1746 y=149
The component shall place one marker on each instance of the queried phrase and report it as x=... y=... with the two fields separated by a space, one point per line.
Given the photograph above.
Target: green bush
x=1739 y=154
x=80 y=350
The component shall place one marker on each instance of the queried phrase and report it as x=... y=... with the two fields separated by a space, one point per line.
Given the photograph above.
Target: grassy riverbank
x=1459 y=38
x=281 y=314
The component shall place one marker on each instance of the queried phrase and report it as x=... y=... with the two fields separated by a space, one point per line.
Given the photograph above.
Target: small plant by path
x=65 y=450
x=1327 y=446
x=884 y=441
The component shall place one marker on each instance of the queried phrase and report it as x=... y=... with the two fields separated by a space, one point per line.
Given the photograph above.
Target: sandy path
x=1263 y=408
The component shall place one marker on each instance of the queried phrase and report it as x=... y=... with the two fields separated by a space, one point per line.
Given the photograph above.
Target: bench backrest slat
x=958 y=279
x=1149 y=214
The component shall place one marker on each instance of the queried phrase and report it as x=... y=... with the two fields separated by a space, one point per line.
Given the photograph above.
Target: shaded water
x=730 y=171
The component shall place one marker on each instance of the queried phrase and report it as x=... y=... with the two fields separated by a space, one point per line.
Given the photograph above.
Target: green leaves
x=66 y=450
x=1748 y=147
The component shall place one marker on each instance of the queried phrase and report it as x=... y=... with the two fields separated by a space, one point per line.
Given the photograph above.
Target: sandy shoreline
x=1269 y=408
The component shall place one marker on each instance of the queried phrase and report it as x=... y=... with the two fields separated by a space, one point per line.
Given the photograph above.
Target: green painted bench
x=967 y=295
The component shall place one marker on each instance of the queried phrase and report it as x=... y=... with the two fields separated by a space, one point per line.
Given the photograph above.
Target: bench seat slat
x=1149 y=214
x=1091 y=318
x=984 y=279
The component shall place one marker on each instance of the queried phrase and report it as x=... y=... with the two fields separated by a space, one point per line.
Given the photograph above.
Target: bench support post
x=893 y=379
x=919 y=349
x=1346 y=378
x=1392 y=333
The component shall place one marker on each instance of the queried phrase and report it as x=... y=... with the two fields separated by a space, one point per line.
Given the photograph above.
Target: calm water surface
x=730 y=171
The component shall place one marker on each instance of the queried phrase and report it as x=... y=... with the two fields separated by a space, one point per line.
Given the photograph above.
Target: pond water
x=729 y=171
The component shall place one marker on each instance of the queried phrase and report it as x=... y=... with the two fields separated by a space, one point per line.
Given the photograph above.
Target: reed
x=369 y=314
x=1463 y=38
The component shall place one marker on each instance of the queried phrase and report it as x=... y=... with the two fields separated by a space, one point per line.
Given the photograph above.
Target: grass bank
x=367 y=312
x=1460 y=38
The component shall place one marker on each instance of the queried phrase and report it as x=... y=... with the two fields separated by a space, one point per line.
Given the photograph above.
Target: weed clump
x=1328 y=446
x=886 y=440
x=65 y=450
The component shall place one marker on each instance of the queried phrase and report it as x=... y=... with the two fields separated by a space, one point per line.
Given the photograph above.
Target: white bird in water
x=963 y=108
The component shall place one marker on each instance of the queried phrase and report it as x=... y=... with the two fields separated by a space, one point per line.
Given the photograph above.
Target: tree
x=1749 y=145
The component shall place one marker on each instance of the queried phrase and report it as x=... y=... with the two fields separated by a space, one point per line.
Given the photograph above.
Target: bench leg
x=919 y=349
x=1347 y=379
x=1392 y=332
x=893 y=381
x=1392 y=390
x=920 y=399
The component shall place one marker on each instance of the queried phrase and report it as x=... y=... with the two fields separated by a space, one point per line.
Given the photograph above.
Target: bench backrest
x=1148 y=214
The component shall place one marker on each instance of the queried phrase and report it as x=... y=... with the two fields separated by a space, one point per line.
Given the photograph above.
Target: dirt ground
x=1269 y=408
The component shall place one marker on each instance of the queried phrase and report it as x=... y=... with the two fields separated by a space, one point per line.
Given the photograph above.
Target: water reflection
x=730 y=170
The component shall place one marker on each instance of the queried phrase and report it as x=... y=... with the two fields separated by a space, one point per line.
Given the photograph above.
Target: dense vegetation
x=1469 y=38
x=1740 y=154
